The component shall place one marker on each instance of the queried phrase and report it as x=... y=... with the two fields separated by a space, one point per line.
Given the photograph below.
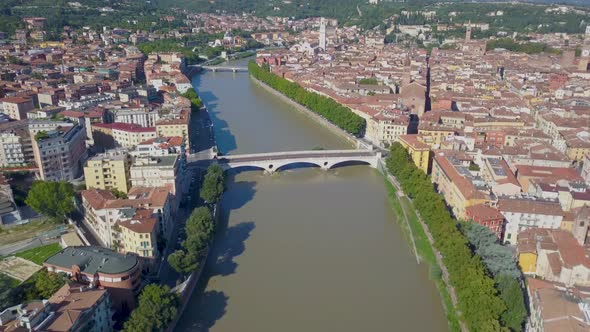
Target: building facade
x=109 y=170
x=60 y=153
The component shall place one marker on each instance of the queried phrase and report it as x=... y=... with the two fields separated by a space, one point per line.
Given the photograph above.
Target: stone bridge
x=222 y=68
x=277 y=161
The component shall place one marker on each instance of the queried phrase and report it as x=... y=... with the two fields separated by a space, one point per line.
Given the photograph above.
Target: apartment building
x=160 y=171
x=17 y=107
x=16 y=148
x=522 y=213
x=109 y=170
x=460 y=186
x=103 y=212
x=555 y=307
x=177 y=125
x=386 y=127
x=60 y=153
x=140 y=235
x=418 y=151
x=553 y=255
x=73 y=308
x=121 y=134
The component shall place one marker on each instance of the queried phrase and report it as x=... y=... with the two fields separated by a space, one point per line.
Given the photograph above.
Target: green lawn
x=40 y=254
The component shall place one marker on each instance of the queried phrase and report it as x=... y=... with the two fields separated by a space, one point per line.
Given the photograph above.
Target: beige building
x=177 y=126
x=17 y=107
x=384 y=128
x=121 y=134
x=555 y=308
x=140 y=233
x=161 y=171
x=109 y=170
x=103 y=212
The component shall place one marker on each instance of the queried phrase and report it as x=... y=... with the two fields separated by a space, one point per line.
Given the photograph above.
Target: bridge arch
x=295 y=165
x=243 y=168
x=352 y=162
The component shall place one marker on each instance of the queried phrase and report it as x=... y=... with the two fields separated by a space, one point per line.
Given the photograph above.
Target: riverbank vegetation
x=480 y=305
x=199 y=232
x=501 y=264
x=332 y=111
x=412 y=229
x=213 y=185
x=196 y=102
x=156 y=309
x=200 y=226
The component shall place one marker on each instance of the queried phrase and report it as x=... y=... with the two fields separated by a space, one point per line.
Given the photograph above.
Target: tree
x=213 y=184
x=200 y=228
x=118 y=193
x=511 y=293
x=157 y=308
x=52 y=199
x=183 y=262
x=47 y=283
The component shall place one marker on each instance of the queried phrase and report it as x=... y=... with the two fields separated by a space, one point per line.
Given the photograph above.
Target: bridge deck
x=297 y=155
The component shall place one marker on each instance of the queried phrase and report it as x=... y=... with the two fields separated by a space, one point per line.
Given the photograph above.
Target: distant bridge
x=277 y=161
x=225 y=68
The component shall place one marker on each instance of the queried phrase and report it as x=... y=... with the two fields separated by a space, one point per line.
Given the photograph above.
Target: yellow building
x=418 y=151
x=451 y=174
x=434 y=135
x=528 y=262
x=577 y=143
x=175 y=127
x=110 y=170
x=139 y=234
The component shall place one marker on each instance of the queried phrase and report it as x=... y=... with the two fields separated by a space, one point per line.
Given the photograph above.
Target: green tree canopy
x=213 y=184
x=157 y=308
x=200 y=228
x=47 y=283
x=52 y=199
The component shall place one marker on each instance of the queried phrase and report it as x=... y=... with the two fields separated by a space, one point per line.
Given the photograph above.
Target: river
x=303 y=249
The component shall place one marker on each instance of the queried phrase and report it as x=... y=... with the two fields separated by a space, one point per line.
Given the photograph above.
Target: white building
x=523 y=213
x=141 y=116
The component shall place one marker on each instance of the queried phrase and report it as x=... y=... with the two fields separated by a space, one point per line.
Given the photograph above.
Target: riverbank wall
x=309 y=113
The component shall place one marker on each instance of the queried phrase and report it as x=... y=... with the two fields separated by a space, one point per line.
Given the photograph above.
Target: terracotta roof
x=529 y=206
x=144 y=221
x=483 y=212
x=15 y=100
x=128 y=127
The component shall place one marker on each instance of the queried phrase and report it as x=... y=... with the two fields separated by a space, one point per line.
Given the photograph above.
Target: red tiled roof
x=129 y=127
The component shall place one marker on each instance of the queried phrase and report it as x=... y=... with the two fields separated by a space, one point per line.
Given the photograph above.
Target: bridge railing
x=309 y=152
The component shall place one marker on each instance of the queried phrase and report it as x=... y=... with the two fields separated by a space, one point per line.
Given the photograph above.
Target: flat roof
x=93 y=259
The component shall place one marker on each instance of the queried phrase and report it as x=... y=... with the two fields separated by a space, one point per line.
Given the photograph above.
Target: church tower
x=468 y=33
x=323 y=34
